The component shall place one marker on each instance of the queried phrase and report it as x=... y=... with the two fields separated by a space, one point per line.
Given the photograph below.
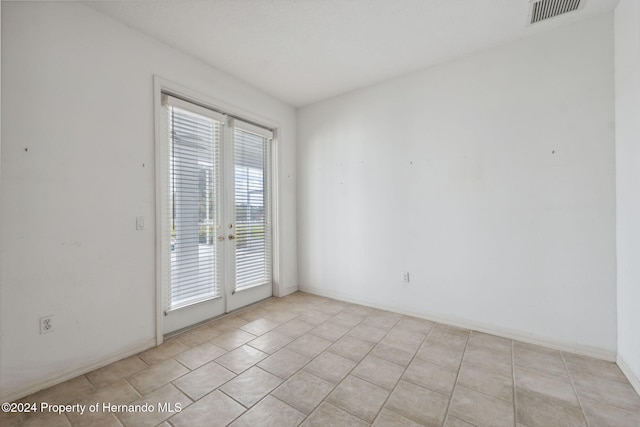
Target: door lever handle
x=221 y=238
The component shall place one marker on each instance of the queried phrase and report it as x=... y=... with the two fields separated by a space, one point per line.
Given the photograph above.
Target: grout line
x=403 y=372
x=455 y=384
x=354 y=367
x=351 y=370
x=575 y=390
x=296 y=372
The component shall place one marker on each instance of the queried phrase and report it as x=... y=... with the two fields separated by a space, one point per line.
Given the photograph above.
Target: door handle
x=221 y=238
x=231 y=237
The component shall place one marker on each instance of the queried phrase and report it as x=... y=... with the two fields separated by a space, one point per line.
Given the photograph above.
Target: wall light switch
x=140 y=223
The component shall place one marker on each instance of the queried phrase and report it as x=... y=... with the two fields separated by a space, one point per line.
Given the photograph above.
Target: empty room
x=320 y=213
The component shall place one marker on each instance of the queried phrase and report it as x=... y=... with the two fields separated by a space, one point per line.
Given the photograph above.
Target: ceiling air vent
x=545 y=9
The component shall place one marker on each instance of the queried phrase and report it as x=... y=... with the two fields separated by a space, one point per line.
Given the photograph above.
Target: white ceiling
x=303 y=51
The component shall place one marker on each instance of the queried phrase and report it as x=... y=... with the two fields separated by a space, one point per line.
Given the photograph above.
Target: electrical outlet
x=46 y=324
x=405 y=277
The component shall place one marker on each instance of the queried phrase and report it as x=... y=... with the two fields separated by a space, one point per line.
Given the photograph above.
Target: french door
x=215 y=243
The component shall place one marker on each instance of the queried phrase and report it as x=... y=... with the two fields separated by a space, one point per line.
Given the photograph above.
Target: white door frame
x=161 y=85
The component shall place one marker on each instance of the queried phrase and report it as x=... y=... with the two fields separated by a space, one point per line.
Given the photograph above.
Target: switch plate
x=139 y=223
x=405 y=277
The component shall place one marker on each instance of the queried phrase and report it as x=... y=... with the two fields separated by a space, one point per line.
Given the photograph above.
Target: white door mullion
x=229 y=224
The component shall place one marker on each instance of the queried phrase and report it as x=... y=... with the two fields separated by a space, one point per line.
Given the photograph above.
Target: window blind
x=252 y=148
x=194 y=192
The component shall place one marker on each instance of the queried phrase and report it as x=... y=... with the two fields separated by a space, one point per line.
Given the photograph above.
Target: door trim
x=162 y=85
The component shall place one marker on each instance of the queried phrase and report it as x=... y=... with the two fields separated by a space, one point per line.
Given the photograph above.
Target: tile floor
x=312 y=361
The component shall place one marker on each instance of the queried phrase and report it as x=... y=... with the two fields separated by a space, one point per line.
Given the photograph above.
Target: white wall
x=490 y=179
x=77 y=168
x=627 y=89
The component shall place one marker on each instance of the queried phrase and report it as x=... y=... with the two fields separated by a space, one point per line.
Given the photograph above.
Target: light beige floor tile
x=116 y=371
x=610 y=392
x=418 y=403
x=555 y=388
x=314 y=317
x=543 y=363
x=252 y=314
x=199 y=355
x=392 y=353
x=534 y=411
x=281 y=316
x=270 y=342
x=97 y=420
x=367 y=333
x=198 y=335
x=11 y=419
x=233 y=339
x=359 y=310
x=454 y=330
x=328 y=415
x=440 y=355
x=383 y=343
x=498 y=361
x=156 y=376
x=379 y=371
x=159 y=399
x=347 y=319
x=537 y=348
x=241 y=359
x=303 y=391
x=457 y=422
x=214 y=410
x=119 y=392
x=448 y=337
x=388 y=418
x=259 y=326
x=294 y=328
x=270 y=412
x=67 y=392
x=251 y=386
x=284 y=363
x=330 y=367
x=431 y=376
x=47 y=420
x=358 y=397
x=583 y=365
x=331 y=306
x=309 y=345
x=480 y=339
x=382 y=319
x=415 y=324
x=330 y=330
x=202 y=380
x=481 y=409
x=495 y=384
x=599 y=414
x=351 y=348
x=405 y=338
x=227 y=323
x=167 y=349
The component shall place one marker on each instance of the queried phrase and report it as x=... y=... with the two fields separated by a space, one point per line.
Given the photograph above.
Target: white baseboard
x=92 y=366
x=598 y=353
x=635 y=381
x=288 y=291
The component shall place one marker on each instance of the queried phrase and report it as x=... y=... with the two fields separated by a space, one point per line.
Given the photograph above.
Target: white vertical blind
x=252 y=148
x=194 y=203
